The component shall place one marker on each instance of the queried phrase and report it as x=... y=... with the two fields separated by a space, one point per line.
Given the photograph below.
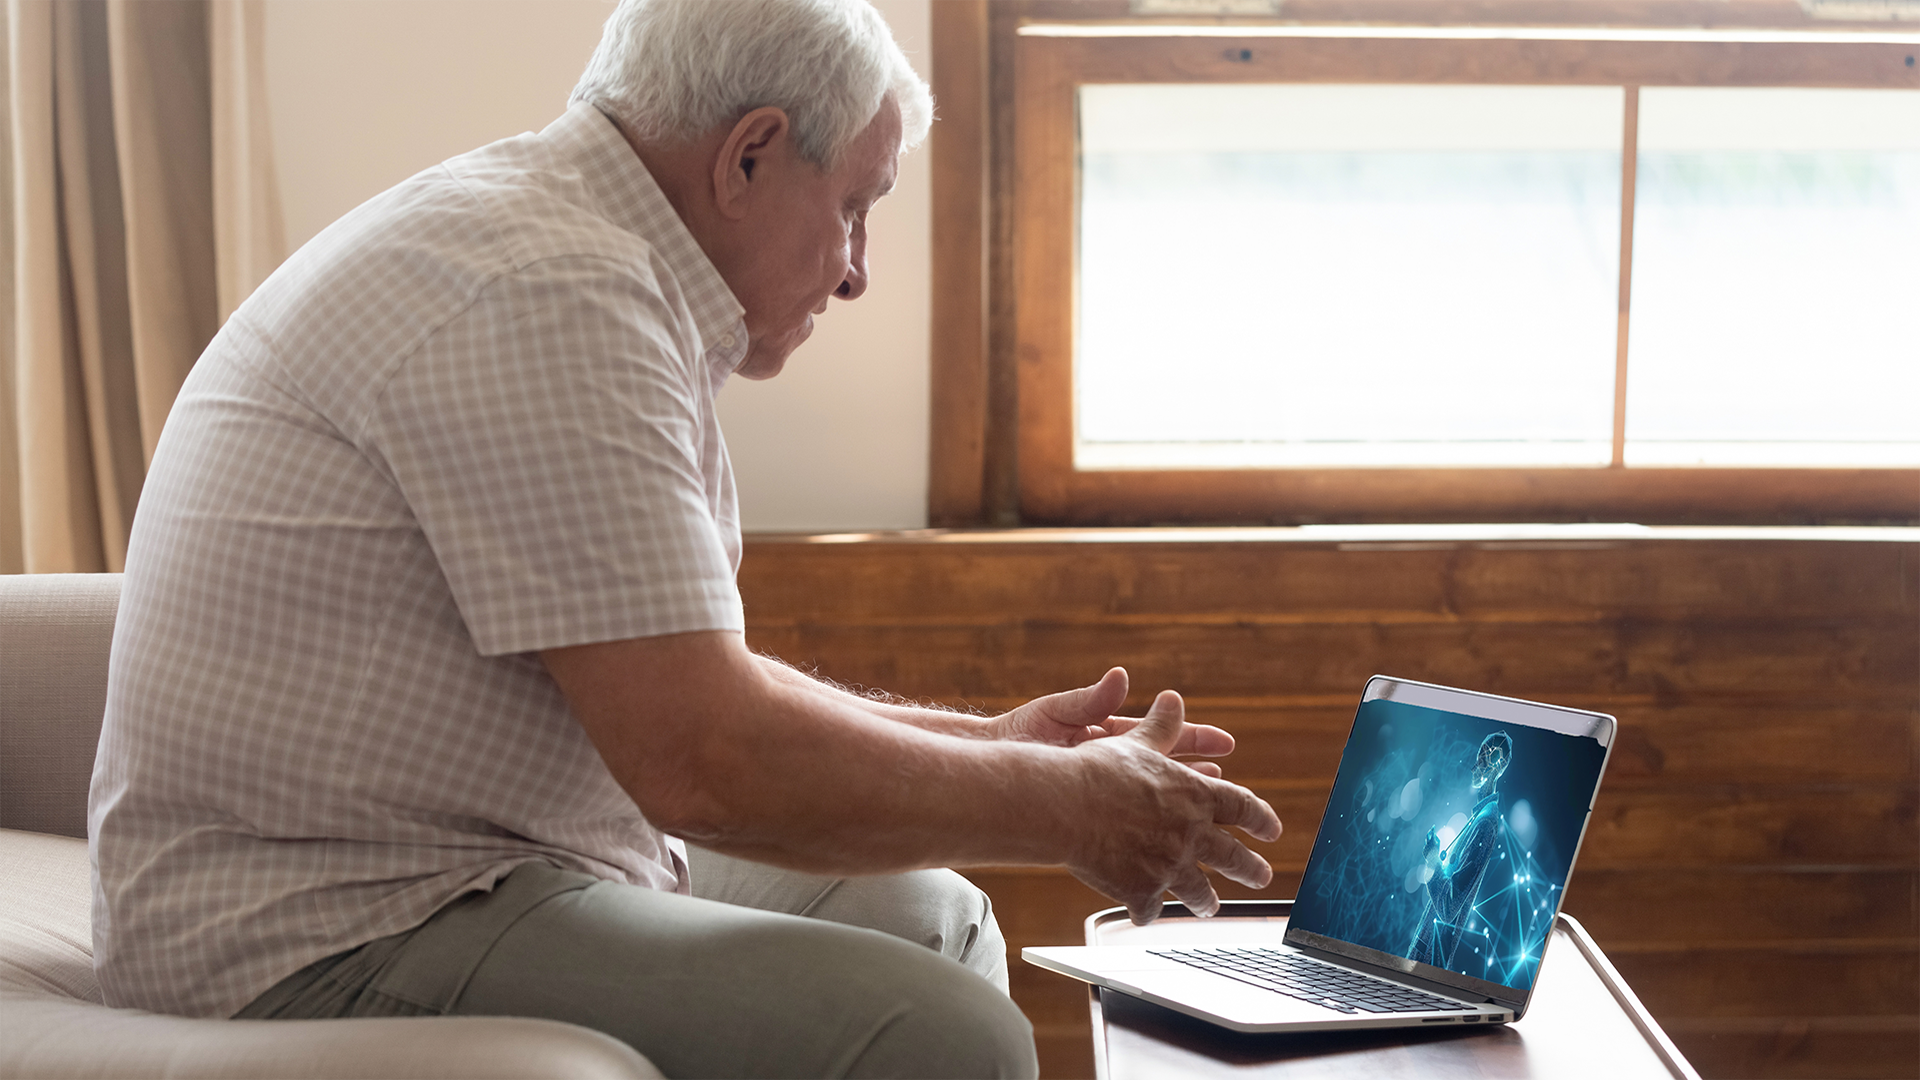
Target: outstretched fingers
x=1194 y=890
x=1188 y=740
x=1145 y=911
x=1214 y=848
x=1203 y=740
x=1199 y=810
x=1163 y=724
x=1236 y=862
x=1239 y=808
x=1068 y=718
x=1089 y=705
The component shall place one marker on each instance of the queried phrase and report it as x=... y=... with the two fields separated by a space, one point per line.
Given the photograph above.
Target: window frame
x=1011 y=392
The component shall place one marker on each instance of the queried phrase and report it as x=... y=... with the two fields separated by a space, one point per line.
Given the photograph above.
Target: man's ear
x=763 y=130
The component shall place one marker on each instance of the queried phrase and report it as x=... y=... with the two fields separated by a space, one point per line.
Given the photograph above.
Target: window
x=1312 y=275
x=1289 y=273
x=1775 y=316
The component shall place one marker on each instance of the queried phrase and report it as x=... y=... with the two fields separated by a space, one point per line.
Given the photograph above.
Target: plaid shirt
x=471 y=420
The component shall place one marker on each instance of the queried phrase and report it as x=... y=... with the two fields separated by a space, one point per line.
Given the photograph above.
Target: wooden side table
x=1583 y=1021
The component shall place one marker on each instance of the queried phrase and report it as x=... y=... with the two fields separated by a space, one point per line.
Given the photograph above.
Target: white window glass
x=1296 y=275
x=1776 y=278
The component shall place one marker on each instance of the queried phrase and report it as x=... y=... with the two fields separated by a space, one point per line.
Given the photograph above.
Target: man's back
x=409 y=461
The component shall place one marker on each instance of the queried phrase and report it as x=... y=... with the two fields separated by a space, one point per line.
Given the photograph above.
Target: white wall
x=364 y=93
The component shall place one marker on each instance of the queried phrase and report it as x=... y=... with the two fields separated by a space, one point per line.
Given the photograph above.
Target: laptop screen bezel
x=1579 y=723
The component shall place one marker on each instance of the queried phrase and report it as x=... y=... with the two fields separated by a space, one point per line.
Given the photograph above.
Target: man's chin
x=758 y=369
x=767 y=357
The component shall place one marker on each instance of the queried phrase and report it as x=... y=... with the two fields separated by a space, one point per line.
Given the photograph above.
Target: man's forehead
x=876 y=151
x=874 y=176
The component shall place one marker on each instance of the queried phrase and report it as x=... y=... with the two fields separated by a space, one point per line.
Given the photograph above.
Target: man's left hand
x=1072 y=717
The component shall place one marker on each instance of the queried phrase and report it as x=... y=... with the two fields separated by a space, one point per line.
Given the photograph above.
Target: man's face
x=809 y=241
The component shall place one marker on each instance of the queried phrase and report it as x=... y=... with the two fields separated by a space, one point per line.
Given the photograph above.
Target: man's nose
x=856 y=279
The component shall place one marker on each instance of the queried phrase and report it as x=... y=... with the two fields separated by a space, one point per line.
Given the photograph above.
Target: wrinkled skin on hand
x=1154 y=822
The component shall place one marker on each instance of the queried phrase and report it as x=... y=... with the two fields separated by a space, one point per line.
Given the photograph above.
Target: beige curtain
x=250 y=235
x=142 y=211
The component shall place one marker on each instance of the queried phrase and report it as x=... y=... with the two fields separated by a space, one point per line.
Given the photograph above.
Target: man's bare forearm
x=880 y=703
x=764 y=763
x=714 y=746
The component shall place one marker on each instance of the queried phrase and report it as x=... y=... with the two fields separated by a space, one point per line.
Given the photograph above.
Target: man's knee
x=704 y=988
x=938 y=909
x=957 y=1025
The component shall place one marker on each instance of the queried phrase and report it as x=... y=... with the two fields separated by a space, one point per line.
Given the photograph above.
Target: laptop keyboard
x=1301 y=977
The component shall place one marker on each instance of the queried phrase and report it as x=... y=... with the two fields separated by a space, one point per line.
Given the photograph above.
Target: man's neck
x=680 y=170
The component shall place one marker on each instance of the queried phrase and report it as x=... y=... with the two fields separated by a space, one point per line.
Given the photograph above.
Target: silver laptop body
x=1433 y=884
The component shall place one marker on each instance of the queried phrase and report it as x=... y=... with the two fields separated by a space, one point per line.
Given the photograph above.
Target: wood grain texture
x=1785 y=14
x=1574 y=62
x=1007 y=578
x=959 y=384
x=1045 y=152
x=1003 y=297
x=1817 y=1047
x=1754 y=858
x=1623 y=657
x=1307 y=496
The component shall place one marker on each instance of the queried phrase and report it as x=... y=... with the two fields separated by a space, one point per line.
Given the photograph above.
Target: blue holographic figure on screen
x=1455 y=868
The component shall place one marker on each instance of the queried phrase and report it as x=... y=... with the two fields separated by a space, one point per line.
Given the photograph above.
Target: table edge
x=1623 y=995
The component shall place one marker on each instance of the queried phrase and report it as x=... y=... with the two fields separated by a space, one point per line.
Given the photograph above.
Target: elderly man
x=429 y=658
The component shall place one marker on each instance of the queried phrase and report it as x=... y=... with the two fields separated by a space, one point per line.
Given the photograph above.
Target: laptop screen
x=1448 y=839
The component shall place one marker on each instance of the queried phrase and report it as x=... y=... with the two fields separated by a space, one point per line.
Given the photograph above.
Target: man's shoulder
x=512 y=219
x=565 y=192
x=481 y=216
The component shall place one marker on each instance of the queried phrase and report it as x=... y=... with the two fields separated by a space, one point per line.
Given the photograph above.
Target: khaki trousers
x=762 y=972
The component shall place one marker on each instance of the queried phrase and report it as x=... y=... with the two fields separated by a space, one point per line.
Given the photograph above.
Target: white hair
x=672 y=70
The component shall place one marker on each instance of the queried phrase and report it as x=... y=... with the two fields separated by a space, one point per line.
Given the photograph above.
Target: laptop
x=1433 y=884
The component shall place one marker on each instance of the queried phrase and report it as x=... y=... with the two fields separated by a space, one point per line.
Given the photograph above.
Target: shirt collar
x=628 y=195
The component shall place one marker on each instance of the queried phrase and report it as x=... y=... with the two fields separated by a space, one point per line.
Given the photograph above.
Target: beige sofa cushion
x=55 y=632
x=54 y=1027
x=46 y=942
x=59 y=1041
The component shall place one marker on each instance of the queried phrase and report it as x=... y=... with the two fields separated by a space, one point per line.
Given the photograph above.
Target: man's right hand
x=1154 y=822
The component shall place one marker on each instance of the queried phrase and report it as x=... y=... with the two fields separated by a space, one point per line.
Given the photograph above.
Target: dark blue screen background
x=1408 y=770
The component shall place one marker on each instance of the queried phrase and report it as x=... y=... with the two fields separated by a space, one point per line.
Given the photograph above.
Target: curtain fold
x=163 y=127
x=88 y=403
x=12 y=557
x=250 y=236
x=120 y=272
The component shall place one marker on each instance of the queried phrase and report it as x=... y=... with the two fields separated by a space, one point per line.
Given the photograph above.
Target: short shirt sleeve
x=550 y=442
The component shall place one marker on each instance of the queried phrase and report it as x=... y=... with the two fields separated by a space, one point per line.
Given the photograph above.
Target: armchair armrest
x=59 y=1039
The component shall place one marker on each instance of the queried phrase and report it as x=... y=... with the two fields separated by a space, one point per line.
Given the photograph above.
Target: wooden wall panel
x=1818 y=1048
x=1627 y=658
x=1734 y=902
x=1753 y=866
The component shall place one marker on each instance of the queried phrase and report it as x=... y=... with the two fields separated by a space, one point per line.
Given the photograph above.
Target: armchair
x=55 y=631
